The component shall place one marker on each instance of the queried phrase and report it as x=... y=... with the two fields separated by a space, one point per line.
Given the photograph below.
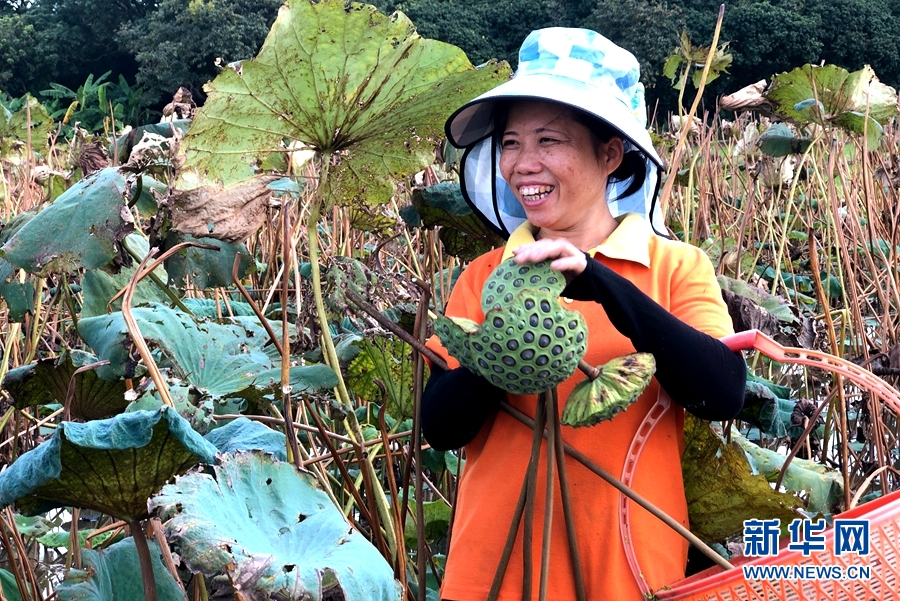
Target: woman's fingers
x=563 y=255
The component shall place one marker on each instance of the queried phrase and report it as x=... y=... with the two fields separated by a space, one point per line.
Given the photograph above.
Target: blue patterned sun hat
x=576 y=67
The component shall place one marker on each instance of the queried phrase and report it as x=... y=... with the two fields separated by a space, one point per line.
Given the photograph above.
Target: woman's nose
x=527 y=160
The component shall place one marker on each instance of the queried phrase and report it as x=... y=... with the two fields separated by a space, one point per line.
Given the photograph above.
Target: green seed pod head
x=508 y=279
x=533 y=358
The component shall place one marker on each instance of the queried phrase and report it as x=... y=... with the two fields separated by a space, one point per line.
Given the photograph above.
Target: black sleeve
x=455 y=405
x=698 y=372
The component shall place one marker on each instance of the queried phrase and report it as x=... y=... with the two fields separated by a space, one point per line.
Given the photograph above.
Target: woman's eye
x=508 y=143
x=548 y=140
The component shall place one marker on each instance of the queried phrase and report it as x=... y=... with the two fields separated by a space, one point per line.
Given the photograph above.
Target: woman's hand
x=563 y=255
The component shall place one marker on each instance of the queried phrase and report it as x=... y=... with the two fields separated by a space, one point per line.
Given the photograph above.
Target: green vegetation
x=277 y=301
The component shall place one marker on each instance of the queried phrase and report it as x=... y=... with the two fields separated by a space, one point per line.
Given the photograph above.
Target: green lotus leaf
x=437 y=521
x=620 y=383
x=221 y=359
x=99 y=287
x=190 y=404
x=111 y=465
x=9 y=586
x=778 y=141
x=34 y=526
x=722 y=486
x=243 y=434
x=344 y=79
x=29 y=124
x=114 y=574
x=209 y=307
x=824 y=487
x=48 y=380
x=83 y=228
x=462 y=233
x=63 y=539
x=204 y=267
x=388 y=359
x=272 y=532
x=832 y=95
x=18 y=294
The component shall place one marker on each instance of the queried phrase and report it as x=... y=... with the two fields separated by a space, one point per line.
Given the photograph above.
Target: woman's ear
x=611 y=153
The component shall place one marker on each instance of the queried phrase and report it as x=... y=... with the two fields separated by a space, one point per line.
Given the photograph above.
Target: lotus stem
x=329 y=352
x=500 y=572
x=259 y=314
x=628 y=492
x=552 y=417
x=293 y=448
x=679 y=147
x=565 y=493
x=160 y=536
x=143 y=552
x=540 y=416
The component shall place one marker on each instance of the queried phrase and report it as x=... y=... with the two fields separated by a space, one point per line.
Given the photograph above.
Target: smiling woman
x=558 y=160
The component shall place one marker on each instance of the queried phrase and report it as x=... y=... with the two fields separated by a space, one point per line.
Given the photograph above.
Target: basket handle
x=741 y=341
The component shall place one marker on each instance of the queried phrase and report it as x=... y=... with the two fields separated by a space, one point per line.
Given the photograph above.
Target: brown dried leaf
x=230 y=214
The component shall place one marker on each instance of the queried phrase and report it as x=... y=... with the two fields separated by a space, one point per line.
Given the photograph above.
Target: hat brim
x=474 y=121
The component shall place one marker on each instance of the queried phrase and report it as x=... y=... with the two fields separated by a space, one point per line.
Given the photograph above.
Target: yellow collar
x=629 y=241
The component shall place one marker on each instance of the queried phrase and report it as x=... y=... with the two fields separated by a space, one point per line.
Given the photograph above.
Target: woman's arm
x=455 y=405
x=697 y=371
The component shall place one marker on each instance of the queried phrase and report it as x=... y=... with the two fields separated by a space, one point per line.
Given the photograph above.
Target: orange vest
x=680 y=278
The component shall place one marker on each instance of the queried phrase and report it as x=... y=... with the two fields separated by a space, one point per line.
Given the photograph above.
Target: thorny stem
x=548 y=399
x=575 y=556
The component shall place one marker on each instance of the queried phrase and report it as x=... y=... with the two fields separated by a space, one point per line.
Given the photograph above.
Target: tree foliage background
x=164 y=44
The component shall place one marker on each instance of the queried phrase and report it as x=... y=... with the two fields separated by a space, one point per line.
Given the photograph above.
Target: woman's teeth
x=532 y=193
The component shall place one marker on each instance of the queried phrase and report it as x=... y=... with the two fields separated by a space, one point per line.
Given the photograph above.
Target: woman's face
x=550 y=163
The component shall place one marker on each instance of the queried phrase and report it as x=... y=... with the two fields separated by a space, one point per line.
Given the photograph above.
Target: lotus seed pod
x=528 y=342
x=620 y=383
x=536 y=358
x=509 y=278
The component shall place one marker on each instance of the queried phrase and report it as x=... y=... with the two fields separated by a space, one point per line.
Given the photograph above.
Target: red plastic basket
x=883 y=560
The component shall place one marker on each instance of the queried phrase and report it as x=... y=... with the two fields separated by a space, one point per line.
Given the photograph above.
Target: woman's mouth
x=535 y=193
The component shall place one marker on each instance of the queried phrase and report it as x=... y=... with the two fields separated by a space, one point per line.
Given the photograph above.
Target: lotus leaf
x=30 y=124
x=764 y=409
x=389 y=360
x=462 y=233
x=345 y=80
x=48 y=380
x=18 y=294
x=266 y=526
x=230 y=214
x=114 y=574
x=198 y=412
x=82 y=228
x=111 y=465
x=832 y=95
x=98 y=287
x=221 y=360
x=33 y=526
x=204 y=267
x=210 y=307
x=437 y=521
x=824 y=486
x=723 y=488
x=243 y=434
x=778 y=141
x=121 y=146
x=9 y=586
